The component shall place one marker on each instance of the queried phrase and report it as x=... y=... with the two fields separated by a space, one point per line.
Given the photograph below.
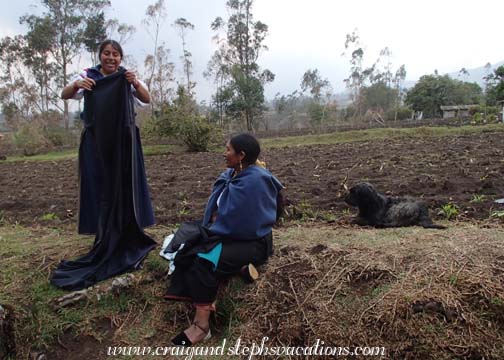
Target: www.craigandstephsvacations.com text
x=248 y=351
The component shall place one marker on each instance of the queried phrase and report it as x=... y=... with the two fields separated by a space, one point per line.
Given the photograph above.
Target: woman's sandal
x=182 y=339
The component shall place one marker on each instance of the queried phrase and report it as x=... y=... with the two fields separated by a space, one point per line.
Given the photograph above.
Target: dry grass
x=420 y=293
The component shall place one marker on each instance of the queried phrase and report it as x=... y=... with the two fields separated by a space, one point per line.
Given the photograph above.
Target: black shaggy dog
x=379 y=210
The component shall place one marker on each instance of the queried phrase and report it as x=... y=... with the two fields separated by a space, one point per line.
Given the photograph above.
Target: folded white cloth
x=169 y=255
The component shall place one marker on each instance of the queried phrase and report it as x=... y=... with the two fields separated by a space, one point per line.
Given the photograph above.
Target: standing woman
x=114 y=197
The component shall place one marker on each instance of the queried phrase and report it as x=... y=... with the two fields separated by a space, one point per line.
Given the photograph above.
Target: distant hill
x=475 y=75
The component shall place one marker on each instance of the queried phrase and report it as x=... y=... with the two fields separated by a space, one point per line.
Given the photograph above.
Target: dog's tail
x=431 y=225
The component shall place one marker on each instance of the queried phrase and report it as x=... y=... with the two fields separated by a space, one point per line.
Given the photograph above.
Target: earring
x=241 y=166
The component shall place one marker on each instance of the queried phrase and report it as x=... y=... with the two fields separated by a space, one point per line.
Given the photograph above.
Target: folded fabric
x=170 y=249
x=167 y=252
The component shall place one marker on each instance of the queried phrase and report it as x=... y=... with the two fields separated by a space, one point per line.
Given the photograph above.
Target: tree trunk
x=66 y=118
x=248 y=116
x=66 y=115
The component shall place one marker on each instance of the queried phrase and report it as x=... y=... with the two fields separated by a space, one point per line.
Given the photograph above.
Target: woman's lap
x=197 y=281
x=236 y=254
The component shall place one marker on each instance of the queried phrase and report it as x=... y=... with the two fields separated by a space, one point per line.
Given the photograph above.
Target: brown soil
x=439 y=170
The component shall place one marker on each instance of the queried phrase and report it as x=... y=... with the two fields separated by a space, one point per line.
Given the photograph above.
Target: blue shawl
x=248 y=206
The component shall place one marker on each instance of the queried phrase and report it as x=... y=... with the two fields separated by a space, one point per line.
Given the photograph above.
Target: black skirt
x=198 y=282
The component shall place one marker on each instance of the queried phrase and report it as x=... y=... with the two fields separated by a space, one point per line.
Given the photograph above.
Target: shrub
x=403 y=113
x=348 y=112
x=316 y=112
x=492 y=110
x=180 y=122
x=196 y=133
x=150 y=129
x=30 y=139
x=59 y=136
x=473 y=110
x=181 y=119
x=478 y=118
x=492 y=118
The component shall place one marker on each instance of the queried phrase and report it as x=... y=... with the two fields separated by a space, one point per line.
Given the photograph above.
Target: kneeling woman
x=242 y=209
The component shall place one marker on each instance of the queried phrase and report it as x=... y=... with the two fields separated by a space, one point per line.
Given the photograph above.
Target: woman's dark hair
x=248 y=144
x=114 y=44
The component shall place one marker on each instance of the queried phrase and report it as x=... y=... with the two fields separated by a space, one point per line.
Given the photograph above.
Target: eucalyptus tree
x=67 y=18
x=356 y=80
x=218 y=71
x=18 y=95
x=121 y=32
x=318 y=86
x=183 y=26
x=464 y=73
x=313 y=81
x=244 y=44
x=36 y=55
x=153 y=22
x=398 y=81
x=94 y=33
x=162 y=75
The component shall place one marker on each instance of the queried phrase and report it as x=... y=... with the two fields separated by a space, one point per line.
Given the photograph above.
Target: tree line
x=377 y=92
x=36 y=65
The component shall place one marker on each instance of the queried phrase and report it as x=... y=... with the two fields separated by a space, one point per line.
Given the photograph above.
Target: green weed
x=49 y=217
x=449 y=211
x=453 y=279
x=496 y=301
x=377 y=291
x=498 y=214
x=478 y=198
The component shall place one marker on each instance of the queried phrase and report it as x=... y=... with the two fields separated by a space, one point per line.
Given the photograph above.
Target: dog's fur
x=379 y=210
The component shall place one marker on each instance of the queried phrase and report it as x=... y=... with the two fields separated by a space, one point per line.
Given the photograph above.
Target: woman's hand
x=70 y=90
x=141 y=92
x=132 y=78
x=86 y=84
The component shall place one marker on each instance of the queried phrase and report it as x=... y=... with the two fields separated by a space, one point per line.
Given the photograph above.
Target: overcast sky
x=304 y=34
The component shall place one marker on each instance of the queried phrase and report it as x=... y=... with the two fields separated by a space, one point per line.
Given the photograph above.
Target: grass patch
x=378 y=134
x=305 y=140
x=310 y=234
x=50 y=156
x=141 y=317
x=148 y=150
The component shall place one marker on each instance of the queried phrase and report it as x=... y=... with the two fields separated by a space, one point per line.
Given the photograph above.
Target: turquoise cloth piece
x=213 y=255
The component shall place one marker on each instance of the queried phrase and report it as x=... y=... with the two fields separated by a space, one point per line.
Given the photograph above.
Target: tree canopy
x=433 y=91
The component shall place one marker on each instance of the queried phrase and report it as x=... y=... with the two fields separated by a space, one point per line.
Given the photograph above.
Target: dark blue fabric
x=111 y=178
x=248 y=206
x=91 y=177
